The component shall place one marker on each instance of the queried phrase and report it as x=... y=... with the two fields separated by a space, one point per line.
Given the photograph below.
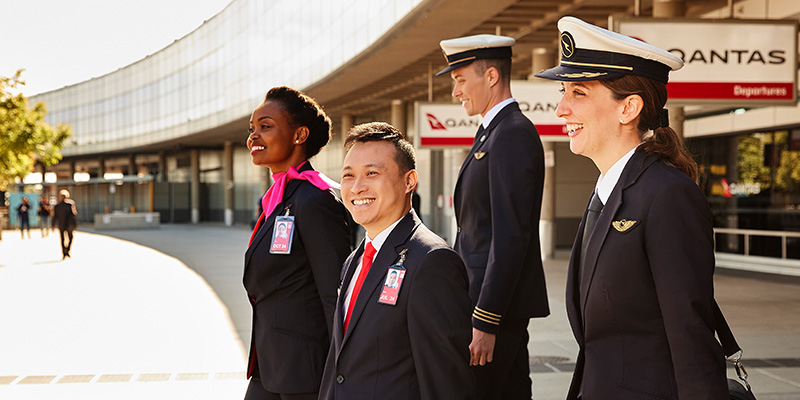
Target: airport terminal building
x=167 y=133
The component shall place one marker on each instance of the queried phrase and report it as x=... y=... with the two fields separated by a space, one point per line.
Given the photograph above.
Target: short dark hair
x=302 y=110
x=503 y=66
x=383 y=132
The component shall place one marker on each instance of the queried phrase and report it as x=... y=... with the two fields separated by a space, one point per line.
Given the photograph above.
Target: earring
x=622 y=122
x=297 y=141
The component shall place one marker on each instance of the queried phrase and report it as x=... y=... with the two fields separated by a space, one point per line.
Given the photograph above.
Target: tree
x=25 y=138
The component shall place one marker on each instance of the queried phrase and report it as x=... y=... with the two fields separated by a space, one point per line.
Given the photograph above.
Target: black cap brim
x=455 y=67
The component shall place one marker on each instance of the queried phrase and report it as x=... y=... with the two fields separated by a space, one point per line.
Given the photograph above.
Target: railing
x=755 y=232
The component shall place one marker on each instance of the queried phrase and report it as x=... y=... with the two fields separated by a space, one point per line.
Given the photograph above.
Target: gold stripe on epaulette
x=625 y=67
x=485 y=320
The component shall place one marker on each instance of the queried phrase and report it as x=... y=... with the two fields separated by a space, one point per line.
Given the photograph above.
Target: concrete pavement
x=195 y=274
x=115 y=321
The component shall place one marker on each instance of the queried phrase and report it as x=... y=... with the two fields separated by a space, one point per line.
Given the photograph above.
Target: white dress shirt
x=376 y=243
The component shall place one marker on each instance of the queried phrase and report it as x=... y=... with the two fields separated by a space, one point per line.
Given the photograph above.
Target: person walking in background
x=44 y=216
x=23 y=215
x=65 y=218
x=292 y=264
x=640 y=289
x=408 y=339
x=498 y=198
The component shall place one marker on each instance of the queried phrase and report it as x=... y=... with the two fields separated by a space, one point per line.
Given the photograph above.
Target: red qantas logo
x=436 y=125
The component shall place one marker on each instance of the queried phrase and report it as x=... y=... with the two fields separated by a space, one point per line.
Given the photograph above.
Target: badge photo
x=391 y=285
x=393 y=281
x=282 y=235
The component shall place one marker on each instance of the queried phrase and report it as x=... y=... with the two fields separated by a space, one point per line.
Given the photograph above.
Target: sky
x=63 y=42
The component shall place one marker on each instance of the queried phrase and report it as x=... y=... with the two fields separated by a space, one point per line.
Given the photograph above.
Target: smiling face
x=374 y=189
x=272 y=139
x=473 y=89
x=593 y=117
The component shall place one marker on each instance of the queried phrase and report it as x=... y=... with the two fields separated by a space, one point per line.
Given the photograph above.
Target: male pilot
x=498 y=198
x=405 y=343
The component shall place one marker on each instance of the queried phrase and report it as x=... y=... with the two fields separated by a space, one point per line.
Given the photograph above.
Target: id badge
x=282 y=235
x=393 y=282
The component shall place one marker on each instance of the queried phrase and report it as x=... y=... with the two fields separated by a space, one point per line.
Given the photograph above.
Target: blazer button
x=339 y=379
x=459 y=229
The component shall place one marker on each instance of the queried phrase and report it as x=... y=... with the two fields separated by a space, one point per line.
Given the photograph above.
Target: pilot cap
x=590 y=53
x=462 y=51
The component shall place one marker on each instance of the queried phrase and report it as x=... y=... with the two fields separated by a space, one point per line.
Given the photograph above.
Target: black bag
x=733 y=354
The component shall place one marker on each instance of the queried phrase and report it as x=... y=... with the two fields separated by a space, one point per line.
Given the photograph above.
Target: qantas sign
x=735 y=62
x=448 y=125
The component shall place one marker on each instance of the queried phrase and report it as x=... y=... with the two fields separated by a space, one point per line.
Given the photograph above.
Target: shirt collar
x=381 y=237
x=607 y=182
x=496 y=109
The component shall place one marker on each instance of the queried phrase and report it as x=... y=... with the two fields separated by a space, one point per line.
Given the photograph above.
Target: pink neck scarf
x=274 y=195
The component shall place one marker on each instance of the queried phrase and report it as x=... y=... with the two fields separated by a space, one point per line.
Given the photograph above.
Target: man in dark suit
x=409 y=342
x=498 y=199
x=65 y=218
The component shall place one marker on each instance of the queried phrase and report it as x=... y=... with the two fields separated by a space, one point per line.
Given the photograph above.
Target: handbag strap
x=729 y=345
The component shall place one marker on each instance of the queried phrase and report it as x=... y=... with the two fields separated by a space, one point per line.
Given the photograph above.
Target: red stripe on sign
x=551 y=130
x=731 y=90
x=446 y=141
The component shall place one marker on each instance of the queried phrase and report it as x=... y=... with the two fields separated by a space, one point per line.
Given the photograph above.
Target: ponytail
x=664 y=143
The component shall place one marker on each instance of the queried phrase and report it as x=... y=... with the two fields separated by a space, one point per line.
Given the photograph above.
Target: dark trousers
x=507 y=377
x=65 y=247
x=24 y=225
x=256 y=391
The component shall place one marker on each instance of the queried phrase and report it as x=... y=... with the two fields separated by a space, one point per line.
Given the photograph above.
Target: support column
x=195 y=185
x=437 y=198
x=162 y=167
x=398 y=119
x=672 y=9
x=347 y=123
x=132 y=168
x=101 y=169
x=543 y=58
x=227 y=172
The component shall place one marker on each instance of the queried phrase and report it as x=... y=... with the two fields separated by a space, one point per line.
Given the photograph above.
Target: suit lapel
x=386 y=257
x=338 y=314
x=573 y=299
x=269 y=221
x=479 y=144
x=633 y=169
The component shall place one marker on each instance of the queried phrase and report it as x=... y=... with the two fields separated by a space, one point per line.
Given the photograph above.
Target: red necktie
x=366 y=262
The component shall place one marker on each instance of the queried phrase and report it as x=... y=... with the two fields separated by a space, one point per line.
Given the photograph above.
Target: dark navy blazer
x=642 y=310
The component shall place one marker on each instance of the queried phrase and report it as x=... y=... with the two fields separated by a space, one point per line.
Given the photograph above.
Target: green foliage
x=24 y=136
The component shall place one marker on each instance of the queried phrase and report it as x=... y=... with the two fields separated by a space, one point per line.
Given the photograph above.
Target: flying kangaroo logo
x=434 y=122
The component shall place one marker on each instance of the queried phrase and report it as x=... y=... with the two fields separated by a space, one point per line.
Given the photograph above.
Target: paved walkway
x=166 y=328
x=115 y=321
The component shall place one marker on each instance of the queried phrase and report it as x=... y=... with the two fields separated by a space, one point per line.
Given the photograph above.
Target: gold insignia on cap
x=479 y=154
x=567 y=45
x=584 y=74
x=623 y=224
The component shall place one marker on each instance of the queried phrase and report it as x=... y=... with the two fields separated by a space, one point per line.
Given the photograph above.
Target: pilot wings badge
x=623 y=225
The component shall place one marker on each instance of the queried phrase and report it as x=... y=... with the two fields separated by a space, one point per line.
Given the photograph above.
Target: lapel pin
x=623 y=225
x=483 y=137
x=479 y=154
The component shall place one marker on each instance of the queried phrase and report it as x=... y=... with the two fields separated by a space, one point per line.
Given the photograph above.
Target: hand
x=482 y=347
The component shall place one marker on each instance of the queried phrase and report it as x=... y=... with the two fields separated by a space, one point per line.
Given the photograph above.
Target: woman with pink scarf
x=292 y=275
